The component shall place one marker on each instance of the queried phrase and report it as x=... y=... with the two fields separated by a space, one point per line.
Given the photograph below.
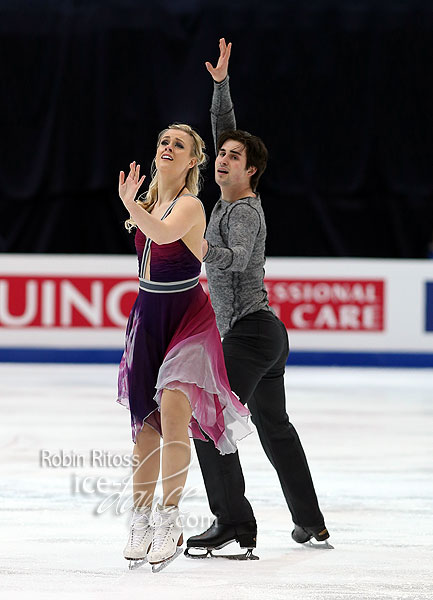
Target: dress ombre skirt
x=172 y=342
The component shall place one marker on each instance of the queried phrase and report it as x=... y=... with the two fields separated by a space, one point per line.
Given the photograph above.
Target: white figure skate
x=167 y=537
x=140 y=537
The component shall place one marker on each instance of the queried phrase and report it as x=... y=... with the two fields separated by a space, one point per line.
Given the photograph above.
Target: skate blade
x=206 y=554
x=207 y=551
x=209 y=554
x=136 y=563
x=157 y=567
x=318 y=545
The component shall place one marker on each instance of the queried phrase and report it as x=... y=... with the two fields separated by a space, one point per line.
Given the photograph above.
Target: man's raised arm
x=222 y=111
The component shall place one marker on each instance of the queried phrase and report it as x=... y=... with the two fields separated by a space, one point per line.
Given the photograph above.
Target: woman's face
x=174 y=153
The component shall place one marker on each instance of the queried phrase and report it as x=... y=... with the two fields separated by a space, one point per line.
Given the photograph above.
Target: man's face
x=230 y=165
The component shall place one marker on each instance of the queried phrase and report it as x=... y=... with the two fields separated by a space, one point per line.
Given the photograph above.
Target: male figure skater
x=255 y=341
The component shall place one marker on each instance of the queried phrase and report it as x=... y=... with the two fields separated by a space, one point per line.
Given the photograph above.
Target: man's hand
x=219 y=73
x=204 y=247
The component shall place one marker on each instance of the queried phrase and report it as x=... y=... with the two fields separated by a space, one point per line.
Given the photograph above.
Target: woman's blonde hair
x=193 y=179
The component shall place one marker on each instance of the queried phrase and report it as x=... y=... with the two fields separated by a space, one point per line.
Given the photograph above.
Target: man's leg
x=224 y=483
x=280 y=439
x=223 y=477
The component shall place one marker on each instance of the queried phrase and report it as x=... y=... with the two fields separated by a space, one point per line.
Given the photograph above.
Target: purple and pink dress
x=172 y=342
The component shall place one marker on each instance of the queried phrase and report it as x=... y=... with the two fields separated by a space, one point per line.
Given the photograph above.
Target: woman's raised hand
x=219 y=73
x=128 y=189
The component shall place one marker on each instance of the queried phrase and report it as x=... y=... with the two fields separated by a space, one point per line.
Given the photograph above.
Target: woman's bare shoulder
x=190 y=201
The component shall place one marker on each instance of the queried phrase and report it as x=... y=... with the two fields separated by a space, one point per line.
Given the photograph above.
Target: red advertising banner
x=329 y=305
x=74 y=301
x=29 y=301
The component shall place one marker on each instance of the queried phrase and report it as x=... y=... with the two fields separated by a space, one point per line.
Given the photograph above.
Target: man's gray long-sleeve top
x=236 y=234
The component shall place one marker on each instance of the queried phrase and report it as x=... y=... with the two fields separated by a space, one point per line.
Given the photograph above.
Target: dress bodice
x=168 y=262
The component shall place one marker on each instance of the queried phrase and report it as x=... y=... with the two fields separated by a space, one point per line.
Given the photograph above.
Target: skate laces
x=139 y=526
x=163 y=524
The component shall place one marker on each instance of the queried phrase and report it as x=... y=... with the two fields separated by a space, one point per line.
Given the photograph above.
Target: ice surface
x=368 y=437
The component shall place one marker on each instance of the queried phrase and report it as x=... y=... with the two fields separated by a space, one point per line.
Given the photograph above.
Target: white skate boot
x=167 y=537
x=140 y=537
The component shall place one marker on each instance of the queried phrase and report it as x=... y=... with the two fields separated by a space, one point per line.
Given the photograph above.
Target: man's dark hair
x=255 y=150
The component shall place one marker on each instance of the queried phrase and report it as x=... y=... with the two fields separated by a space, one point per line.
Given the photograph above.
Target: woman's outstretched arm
x=184 y=217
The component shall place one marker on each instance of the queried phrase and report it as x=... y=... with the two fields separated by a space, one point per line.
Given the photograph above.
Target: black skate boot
x=302 y=535
x=219 y=535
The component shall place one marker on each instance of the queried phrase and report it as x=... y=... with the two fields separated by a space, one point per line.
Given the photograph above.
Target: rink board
x=64 y=308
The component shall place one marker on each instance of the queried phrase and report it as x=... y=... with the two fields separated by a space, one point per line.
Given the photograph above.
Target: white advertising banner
x=337 y=311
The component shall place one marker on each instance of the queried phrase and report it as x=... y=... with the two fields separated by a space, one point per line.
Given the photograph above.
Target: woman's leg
x=176 y=451
x=146 y=466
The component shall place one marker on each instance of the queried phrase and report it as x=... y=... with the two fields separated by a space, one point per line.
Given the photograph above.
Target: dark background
x=341 y=92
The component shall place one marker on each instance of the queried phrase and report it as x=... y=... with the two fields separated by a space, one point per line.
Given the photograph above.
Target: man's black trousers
x=255 y=352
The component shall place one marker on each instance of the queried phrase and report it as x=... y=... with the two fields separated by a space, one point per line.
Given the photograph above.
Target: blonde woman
x=172 y=375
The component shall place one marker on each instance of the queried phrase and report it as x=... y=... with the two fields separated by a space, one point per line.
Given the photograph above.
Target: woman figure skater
x=172 y=375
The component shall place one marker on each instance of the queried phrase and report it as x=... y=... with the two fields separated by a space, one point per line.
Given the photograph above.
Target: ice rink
x=368 y=435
